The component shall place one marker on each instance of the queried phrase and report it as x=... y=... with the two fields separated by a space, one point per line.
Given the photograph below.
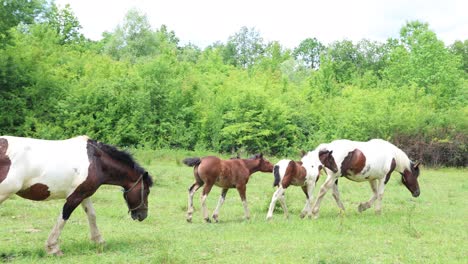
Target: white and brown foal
x=372 y=161
x=296 y=173
x=73 y=170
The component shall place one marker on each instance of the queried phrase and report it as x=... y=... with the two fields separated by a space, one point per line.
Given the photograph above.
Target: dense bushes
x=410 y=90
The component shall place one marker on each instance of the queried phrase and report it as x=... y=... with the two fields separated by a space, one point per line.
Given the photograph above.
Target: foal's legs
x=241 y=189
x=89 y=209
x=309 y=192
x=191 y=191
x=329 y=182
x=206 y=191
x=278 y=194
x=220 y=203
x=366 y=205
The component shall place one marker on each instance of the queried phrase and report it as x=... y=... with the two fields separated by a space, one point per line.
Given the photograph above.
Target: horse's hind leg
x=277 y=195
x=206 y=191
x=220 y=203
x=89 y=209
x=191 y=191
x=366 y=205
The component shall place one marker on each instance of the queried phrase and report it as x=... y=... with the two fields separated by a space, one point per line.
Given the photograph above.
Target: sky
x=204 y=22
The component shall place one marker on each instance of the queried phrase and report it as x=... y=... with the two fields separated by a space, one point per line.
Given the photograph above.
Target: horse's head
x=263 y=164
x=137 y=196
x=327 y=159
x=315 y=160
x=409 y=178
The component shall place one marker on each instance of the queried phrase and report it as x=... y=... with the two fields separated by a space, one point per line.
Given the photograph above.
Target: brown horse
x=232 y=173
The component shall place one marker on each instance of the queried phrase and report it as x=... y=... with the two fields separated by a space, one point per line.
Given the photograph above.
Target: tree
x=244 y=48
x=67 y=26
x=309 y=51
x=460 y=48
x=14 y=12
x=131 y=40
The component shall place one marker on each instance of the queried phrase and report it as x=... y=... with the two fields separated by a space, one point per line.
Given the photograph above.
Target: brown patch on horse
x=5 y=161
x=392 y=168
x=295 y=174
x=353 y=163
x=36 y=192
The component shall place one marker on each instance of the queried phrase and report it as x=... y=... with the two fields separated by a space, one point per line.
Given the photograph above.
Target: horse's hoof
x=302 y=215
x=207 y=220
x=362 y=207
x=268 y=218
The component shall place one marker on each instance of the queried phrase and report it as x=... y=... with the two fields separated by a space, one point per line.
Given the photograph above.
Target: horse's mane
x=123 y=157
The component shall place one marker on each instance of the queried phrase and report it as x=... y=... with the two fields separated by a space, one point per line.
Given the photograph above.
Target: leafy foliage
x=139 y=86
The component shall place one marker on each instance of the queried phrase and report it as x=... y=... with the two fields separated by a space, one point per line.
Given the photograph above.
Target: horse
x=288 y=172
x=372 y=161
x=71 y=169
x=232 y=173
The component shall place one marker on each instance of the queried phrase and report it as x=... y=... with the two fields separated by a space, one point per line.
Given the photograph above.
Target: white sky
x=203 y=22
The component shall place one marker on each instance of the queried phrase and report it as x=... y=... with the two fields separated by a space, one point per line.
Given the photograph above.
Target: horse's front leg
x=378 y=202
x=366 y=205
x=89 y=209
x=241 y=189
x=336 y=195
x=52 y=246
x=309 y=192
x=276 y=195
x=220 y=203
x=329 y=182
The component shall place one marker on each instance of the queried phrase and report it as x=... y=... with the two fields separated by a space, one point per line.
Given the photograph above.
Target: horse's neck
x=115 y=173
x=252 y=165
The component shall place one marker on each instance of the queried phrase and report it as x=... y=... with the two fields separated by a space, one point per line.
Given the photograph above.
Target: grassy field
x=430 y=229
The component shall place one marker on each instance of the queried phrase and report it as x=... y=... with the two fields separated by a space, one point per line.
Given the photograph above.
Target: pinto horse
x=232 y=173
x=289 y=172
x=372 y=161
x=71 y=169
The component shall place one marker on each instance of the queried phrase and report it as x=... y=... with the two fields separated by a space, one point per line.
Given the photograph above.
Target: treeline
x=140 y=87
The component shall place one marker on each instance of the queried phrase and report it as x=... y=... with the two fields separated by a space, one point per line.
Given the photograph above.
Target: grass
x=430 y=229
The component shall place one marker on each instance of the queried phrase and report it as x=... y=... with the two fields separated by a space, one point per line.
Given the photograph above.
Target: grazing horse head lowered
x=71 y=169
x=232 y=173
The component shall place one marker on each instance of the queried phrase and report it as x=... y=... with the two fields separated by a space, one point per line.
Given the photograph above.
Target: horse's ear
x=416 y=165
x=303 y=153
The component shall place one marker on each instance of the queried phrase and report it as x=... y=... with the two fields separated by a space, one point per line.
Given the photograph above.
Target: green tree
x=14 y=12
x=244 y=48
x=309 y=51
x=67 y=26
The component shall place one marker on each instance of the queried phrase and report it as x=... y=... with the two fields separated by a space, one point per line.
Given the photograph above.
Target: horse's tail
x=192 y=161
x=277 y=175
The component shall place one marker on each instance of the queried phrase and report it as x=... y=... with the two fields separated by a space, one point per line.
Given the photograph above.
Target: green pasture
x=430 y=229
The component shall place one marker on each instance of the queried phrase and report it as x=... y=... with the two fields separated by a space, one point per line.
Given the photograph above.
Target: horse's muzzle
x=416 y=193
x=139 y=215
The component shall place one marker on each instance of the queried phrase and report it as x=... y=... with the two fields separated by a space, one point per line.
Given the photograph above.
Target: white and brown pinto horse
x=372 y=161
x=288 y=172
x=71 y=169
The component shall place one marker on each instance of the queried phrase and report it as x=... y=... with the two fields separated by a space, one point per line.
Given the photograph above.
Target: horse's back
x=61 y=165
